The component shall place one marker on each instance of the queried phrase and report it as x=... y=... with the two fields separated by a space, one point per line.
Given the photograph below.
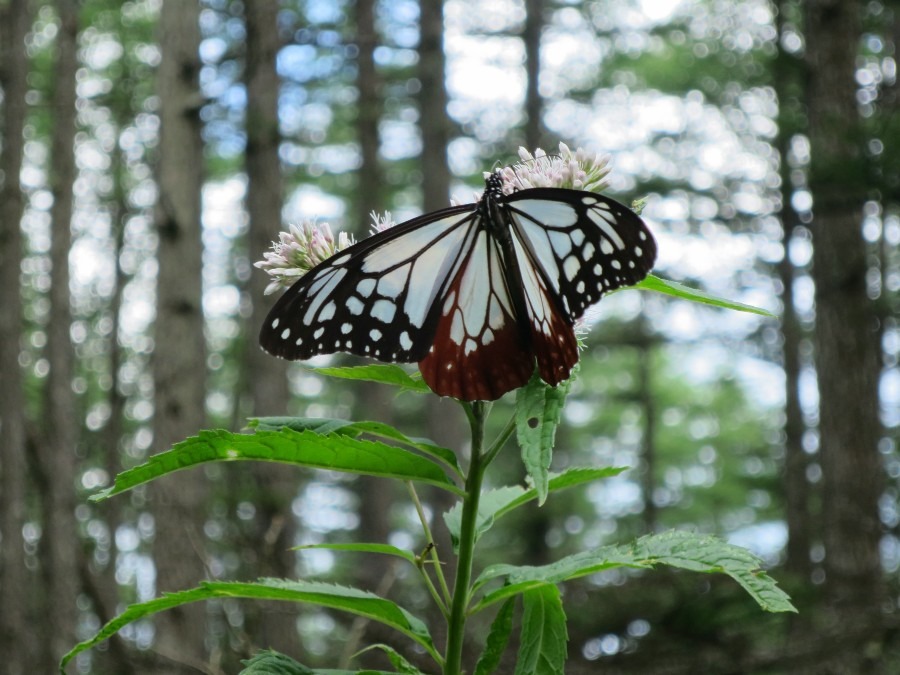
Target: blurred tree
x=271 y=489
x=17 y=641
x=179 y=356
x=532 y=29
x=847 y=351
x=57 y=448
x=789 y=80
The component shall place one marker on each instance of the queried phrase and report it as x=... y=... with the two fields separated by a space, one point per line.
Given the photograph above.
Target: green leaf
x=496 y=503
x=352 y=600
x=270 y=662
x=401 y=665
x=542 y=648
x=382 y=549
x=308 y=449
x=655 y=283
x=325 y=425
x=538 y=409
x=497 y=639
x=685 y=550
x=383 y=373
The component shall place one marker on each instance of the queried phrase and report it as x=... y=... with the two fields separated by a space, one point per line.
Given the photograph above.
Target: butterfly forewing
x=376 y=297
x=586 y=245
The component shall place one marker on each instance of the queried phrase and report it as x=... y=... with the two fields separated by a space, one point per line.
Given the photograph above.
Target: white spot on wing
x=355 y=305
x=561 y=243
x=554 y=214
x=327 y=311
x=365 y=287
x=571 y=265
x=457 y=333
x=384 y=310
x=605 y=223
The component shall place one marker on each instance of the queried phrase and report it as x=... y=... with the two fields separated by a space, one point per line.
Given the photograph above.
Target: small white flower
x=380 y=222
x=298 y=250
x=578 y=170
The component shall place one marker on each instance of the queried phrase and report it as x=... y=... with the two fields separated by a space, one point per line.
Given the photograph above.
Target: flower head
x=578 y=170
x=298 y=250
x=380 y=222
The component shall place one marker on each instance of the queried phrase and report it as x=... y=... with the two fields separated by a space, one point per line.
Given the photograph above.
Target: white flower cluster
x=380 y=222
x=306 y=245
x=298 y=250
x=578 y=170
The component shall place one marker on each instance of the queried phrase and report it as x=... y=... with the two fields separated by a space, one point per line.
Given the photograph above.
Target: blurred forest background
x=151 y=151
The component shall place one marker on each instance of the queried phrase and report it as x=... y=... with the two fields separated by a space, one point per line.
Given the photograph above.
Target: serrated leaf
x=352 y=600
x=383 y=373
x=308 y=449
x=538 y=410
x=655 y=283
x=401 y=665
x=497 y=639
x=325 y=425
x=496 y=503
x=704 y=553
x=685 y=550
x=542 y=647
x=270 y=662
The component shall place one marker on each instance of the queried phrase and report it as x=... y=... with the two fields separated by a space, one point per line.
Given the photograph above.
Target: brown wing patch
x=479 y=351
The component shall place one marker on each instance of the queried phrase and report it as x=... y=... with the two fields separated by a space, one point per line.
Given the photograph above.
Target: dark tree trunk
x=374 y=402
x=179 y=357
x=63 y=552
x=273 y=530
x=16 y=642
x=788 y=88
x=434 y=121
x=847 y=351
x=534 y=102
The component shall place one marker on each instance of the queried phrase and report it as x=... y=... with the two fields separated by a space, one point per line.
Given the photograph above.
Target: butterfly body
x=476 y=293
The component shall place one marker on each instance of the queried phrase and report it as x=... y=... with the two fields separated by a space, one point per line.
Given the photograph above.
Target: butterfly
x=476 y=293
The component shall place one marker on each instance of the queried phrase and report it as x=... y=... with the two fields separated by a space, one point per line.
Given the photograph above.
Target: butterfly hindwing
x=478 y=352
x=374 y=298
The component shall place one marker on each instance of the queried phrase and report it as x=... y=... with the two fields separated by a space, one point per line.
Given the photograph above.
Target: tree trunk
x=534 y=102
x=847 y=362
x=58 y=452
x=179 y=357
x=434 y=121
x=796 y=485
x=272 y=532
x=16 y=642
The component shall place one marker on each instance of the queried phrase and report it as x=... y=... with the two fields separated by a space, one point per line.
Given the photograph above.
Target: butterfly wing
x=478 y=351
x=584 y=245
x=572 y=247
x=375 y=298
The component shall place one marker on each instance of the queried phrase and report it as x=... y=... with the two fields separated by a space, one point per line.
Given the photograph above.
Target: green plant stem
x=500 y=441
x=477 y=413
x=435 y=559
